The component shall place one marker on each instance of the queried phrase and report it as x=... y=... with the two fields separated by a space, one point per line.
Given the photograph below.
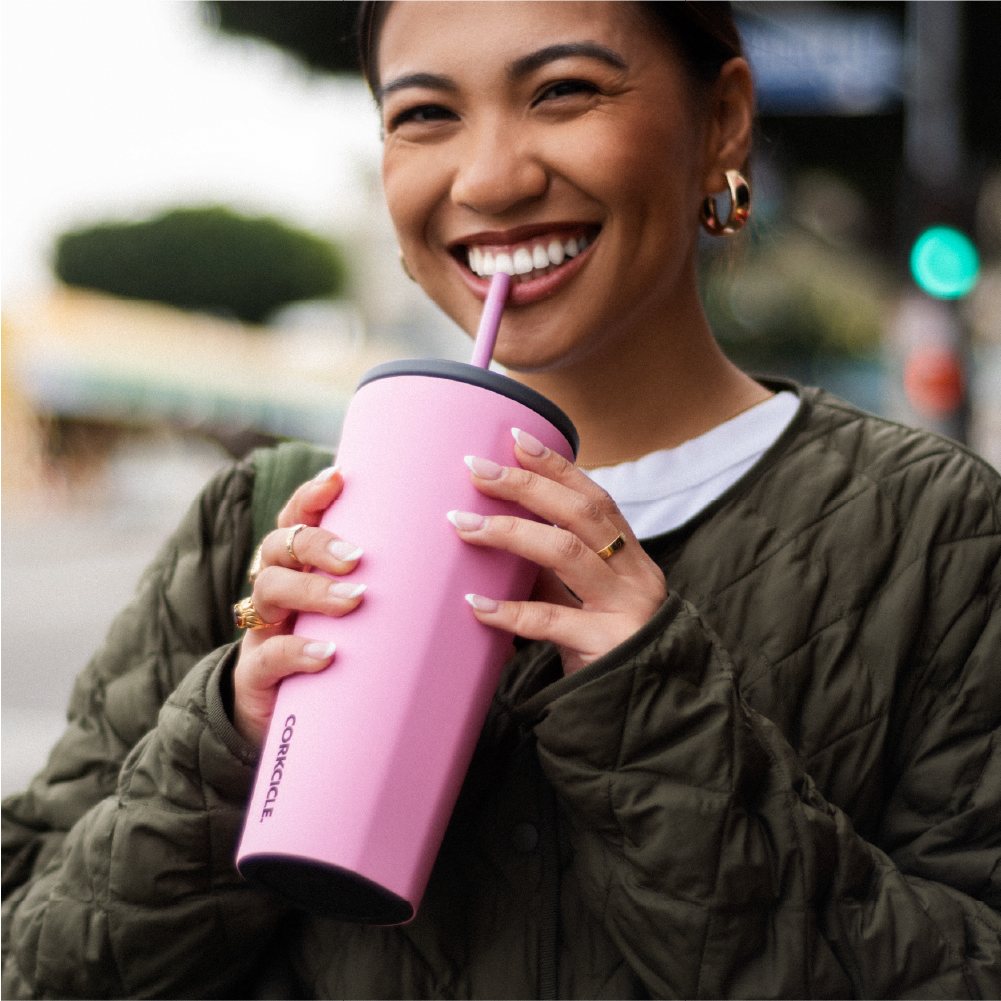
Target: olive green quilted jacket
x=788 y=783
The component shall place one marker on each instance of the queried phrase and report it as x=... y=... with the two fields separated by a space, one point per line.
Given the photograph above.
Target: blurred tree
x=203 y=258
x=322 y=34
x=795 y=298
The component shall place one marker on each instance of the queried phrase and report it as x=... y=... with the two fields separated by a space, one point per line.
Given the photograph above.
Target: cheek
x=410 y=194
x=643 y=168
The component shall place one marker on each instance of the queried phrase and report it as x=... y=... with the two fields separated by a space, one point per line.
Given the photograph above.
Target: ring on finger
x=290 y=542
x=613 y=547
x=247 y=617
x=256 y=564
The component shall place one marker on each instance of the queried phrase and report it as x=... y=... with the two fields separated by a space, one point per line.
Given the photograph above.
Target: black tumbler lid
x=457 y=371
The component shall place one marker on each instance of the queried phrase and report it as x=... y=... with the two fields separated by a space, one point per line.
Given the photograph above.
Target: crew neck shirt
x=663 y=490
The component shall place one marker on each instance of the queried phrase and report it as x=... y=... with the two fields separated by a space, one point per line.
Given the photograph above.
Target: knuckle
x=286 y=516
x=602 y=499
x=504 y=525
x=564 y=472
x=568 y=546
x=269 y=658
x=317 y=587
x=538 y=617
x=588 y=511
x=263 y=584
x=523 y=479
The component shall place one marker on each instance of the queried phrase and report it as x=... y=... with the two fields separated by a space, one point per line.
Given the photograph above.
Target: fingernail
x=346 y=552
x=486 y=469
x=346 y=590
x=319 y=651
x=324 y=474
x=466 y=521
x=482 y=604
x=528 y=443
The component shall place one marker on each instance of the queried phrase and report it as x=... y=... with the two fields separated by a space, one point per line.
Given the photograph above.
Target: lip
x=523 y=293
x=522 y=234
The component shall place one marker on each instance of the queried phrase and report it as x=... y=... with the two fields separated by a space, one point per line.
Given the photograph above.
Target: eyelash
x=566 y=88
x=575 y=87
x=411 y=115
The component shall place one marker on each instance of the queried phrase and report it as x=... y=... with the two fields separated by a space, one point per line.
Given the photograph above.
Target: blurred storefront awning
x=825 y=62
x=80 y=354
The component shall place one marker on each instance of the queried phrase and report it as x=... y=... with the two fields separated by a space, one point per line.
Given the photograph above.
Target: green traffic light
x=945 y=263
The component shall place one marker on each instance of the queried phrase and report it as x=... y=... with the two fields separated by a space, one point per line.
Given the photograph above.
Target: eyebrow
x=430 y=80
x=591 y=50
x=518 y=69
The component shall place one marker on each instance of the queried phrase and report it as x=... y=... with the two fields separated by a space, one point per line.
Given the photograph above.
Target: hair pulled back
x=704 y=34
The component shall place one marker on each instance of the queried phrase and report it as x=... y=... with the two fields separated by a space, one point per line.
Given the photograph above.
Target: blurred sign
x=824 y=63
x=933 y=382
x=945 y=263
x=925 y=363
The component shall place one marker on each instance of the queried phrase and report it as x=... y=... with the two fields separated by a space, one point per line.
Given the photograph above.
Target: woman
x=754 y=755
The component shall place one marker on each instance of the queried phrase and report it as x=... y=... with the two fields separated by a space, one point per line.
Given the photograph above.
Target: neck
x=664 y=384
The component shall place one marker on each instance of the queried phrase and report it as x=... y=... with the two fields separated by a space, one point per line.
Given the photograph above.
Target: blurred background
x=196 y=260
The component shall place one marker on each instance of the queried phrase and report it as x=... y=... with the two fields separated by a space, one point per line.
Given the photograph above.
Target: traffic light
x=944 y=262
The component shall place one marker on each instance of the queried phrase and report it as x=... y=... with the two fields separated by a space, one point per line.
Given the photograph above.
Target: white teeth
x=522 y=261
x=504 y=263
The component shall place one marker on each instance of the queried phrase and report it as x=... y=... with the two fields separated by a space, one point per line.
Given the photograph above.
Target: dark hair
x=704 y=33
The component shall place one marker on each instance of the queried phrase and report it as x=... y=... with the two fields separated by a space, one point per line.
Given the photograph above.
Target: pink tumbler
x=363 y=762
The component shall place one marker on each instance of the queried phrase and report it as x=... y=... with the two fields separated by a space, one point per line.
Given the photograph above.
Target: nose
x=498 y=171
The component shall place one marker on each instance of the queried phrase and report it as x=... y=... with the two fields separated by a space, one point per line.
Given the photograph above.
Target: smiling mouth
x=526 y=260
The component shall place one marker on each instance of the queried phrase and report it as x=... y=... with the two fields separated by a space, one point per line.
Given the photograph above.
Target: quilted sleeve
x=111 y=873
x=720 y=870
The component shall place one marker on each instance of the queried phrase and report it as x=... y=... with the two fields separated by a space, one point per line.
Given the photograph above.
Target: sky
x=120 y=108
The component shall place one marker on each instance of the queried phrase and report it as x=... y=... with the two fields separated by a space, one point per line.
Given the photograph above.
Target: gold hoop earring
x=740 y=207
x=406 y=270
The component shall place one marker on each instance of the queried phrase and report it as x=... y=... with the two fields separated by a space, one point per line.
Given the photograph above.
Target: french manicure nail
x=528 y=443
x=325 y=474
x=482 y=604
x=346 y=552
x=466 y=521
x=319 y=651
x=345 y=590
x=486 y=469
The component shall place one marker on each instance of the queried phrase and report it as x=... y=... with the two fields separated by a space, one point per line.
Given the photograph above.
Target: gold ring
x=255 y=565
x=613 y=547
x=247 y=617
x=290 y=542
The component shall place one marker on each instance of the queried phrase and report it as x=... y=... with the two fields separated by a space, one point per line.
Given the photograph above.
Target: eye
x=566 y=88
x=421 y=115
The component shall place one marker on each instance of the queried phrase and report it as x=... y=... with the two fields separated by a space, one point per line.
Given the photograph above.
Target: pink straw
x=493 y=309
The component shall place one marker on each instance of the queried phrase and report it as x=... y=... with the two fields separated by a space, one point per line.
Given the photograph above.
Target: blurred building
x=88 y=356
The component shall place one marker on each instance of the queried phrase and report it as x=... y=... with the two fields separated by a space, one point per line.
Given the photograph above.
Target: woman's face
x=566 y=136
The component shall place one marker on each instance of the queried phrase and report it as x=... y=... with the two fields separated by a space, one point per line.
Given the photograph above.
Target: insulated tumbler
x=363 y=762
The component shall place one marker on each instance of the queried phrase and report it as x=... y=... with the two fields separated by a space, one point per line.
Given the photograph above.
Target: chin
x=535 y=362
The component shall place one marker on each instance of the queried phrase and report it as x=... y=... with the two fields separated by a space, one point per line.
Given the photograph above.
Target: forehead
x=481 y=34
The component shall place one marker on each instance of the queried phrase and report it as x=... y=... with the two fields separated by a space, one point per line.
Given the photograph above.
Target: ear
x=731 y=116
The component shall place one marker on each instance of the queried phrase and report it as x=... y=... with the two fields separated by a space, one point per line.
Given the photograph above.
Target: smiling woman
x=746 y=742
x=572 y=147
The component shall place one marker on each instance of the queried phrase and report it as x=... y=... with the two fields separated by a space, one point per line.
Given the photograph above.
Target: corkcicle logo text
x=279 y=769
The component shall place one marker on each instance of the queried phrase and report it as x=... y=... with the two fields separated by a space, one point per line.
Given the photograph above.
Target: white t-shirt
x=664 y=489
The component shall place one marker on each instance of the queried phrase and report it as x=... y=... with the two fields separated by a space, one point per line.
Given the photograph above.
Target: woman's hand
x=282 y=588
x=611 y=598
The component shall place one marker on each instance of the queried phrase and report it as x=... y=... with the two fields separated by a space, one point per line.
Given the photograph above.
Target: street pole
x=935 y=182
